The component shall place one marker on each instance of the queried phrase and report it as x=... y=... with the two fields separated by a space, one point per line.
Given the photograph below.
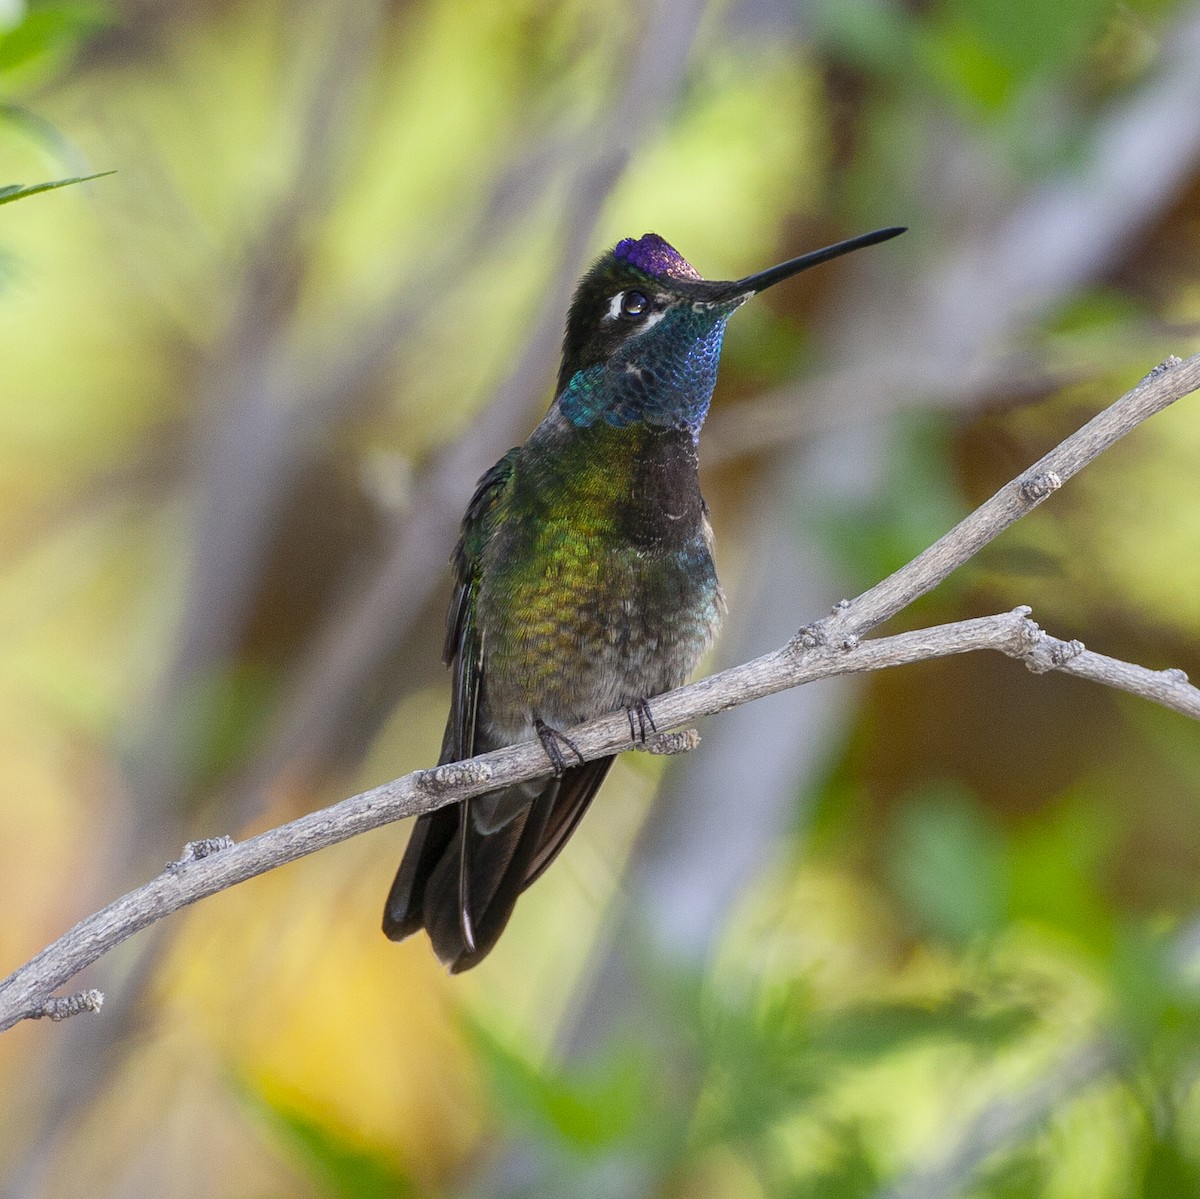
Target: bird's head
x=644 y=332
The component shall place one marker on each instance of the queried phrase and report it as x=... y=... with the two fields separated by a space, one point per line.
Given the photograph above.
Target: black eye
x=633 y=303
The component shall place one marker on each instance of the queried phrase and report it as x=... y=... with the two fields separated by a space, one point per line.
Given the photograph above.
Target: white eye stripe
x=648 y=321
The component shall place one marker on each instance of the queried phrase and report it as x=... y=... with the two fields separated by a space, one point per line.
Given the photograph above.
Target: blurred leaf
x=1169 y=1174
x=1158 y=1005
x=769 y=1057
x=585 y=1110
x=46 y=31
x=1168 y=1171
x=1056 y=859
x=1018 y=1175
x=1030 y=37
x=969 y=67
x=343 y=1170
x=1020 y=561
x=917 y=502
x=949 y=865
x=767 y=350
x=757 y=1053
x=853 y=1175
x=31 y=125
x=1171 y=736
x=1097 y=309
x=862 y=1034
x=17 y=191
x=221 y=713
x=878 y=37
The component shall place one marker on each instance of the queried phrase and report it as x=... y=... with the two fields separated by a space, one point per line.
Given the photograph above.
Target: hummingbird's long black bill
x=753 y=284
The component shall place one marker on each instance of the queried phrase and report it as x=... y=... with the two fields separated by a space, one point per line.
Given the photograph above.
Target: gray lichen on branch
x=63 y=1007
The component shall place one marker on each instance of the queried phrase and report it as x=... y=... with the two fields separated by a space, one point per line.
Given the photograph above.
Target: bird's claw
x=553 y=742
x=639 y=734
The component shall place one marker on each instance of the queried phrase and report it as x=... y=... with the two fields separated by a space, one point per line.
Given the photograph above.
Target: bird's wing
x=404 y=912
x=463 y=651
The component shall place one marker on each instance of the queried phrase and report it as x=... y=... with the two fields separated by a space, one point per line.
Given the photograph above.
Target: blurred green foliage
x=949 y=867
x=764 y=1070
x=914 y=503
x=341 y=1170
x=38 y=38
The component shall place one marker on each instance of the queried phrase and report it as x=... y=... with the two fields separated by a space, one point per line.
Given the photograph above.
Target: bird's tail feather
x=463 y=869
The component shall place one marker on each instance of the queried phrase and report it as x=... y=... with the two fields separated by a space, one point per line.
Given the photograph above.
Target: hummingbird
x=584 y=580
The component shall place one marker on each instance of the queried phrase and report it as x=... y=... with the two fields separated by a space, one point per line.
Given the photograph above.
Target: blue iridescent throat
x=664 y=377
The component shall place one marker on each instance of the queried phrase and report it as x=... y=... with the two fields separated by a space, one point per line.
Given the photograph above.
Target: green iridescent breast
x=597 y=586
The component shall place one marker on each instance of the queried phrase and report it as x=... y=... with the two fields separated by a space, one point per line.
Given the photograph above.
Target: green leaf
x=1057 y=861
x=949 y=865
x=1017 y=1174
x=1169 y=1174
x=1158 y=1006
x=584 y=1110
x=852 y=1175
x=875 y=37
x=1101 y=309
x=343 y=1169
x=917 y=502
x=1031 y=36
x=863 y=1034
x=49 y=31
x=17 y=191
x=1168 y=1171
x=969 y=67
x=758 y=1059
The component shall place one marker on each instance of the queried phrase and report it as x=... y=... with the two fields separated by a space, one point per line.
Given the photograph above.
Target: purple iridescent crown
x=652 y=255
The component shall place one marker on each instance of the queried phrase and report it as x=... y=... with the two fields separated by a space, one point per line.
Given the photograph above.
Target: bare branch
x=825 y=649
x=223 y=863
x=1167 y=687
x=1166 y=383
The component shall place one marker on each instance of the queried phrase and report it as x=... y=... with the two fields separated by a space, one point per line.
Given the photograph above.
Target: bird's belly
x=587 y=633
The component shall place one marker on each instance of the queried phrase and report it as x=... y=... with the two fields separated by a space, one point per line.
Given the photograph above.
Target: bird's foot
x=640 y=712
x=553 y=742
